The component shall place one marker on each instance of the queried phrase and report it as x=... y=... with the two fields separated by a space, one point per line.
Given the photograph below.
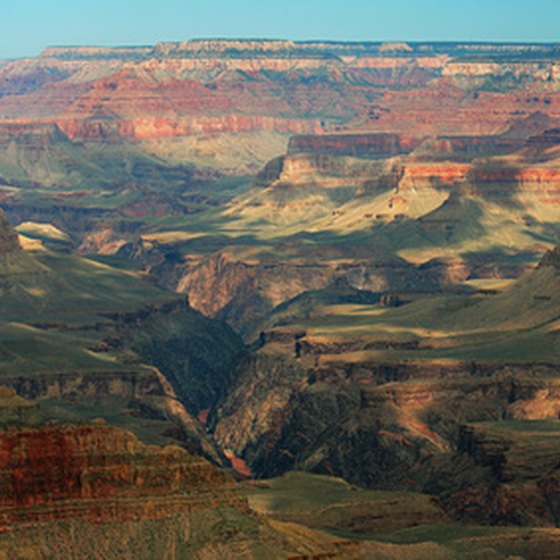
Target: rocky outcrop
x=99 y=474
x=330 y=170
x=265 y=383
x=243 y=292
x=291 y=413
x=551 y=258
x=236 y=291
x=8 y=237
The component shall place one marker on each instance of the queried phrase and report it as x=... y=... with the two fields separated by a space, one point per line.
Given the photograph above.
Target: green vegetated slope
x=60 y=310
x=411 y=525
x=41 y=156
x=515 y=323
x=84 y=338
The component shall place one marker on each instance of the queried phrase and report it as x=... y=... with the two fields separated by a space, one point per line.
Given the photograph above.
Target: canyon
x=277 y=299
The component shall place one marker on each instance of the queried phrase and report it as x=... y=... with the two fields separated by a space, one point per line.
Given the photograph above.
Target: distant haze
x=28 y=26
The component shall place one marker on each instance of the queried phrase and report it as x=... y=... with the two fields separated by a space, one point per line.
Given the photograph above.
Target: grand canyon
x=280 y=299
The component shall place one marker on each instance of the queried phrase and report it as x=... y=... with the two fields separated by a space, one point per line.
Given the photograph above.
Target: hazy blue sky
x=27 y=26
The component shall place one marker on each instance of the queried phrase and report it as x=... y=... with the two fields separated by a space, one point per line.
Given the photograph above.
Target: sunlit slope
x=14 y=262
x=518 y=322
x=420 y=209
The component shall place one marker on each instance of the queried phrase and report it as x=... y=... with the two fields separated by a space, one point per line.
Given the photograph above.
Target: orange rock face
x=153 y=128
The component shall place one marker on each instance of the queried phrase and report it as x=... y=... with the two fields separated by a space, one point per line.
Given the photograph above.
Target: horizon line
x=511 y=43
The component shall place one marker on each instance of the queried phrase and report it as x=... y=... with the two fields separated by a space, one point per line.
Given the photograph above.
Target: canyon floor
x=274 y=299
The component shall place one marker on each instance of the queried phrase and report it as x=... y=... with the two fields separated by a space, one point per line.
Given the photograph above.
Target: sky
x=28 y=26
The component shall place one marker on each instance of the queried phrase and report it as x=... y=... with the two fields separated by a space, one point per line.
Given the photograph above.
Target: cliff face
x=161 y=127
x=104 y=473
x=524 y=482
x=371 y=145
x=98 y=488
x=8 y=237
x=242 y=292
x=220 y=87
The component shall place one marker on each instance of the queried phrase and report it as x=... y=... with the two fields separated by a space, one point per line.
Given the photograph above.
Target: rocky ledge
x=100 y=473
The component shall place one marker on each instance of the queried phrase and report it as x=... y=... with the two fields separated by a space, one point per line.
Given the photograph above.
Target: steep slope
x=98 y=490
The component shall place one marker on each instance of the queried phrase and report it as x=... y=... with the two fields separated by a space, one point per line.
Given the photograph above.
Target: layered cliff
x=101 y=474
x=217 y=87
x=454 y=395
x=243 y=291
x=97 y=489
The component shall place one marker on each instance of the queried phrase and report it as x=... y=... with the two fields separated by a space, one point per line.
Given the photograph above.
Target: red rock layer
x=442 y=108
x=379 y=87
x=101 y=473
x=145 y=128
